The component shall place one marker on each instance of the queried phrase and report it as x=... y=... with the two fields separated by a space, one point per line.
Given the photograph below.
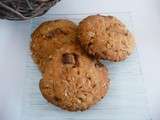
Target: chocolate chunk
x=126 y=34
x=111 y=17
x=98 y=64
x=60 y=31
x=107 y=28
x=56 y=99
x=70 y=58
x=90 y=44
x=56 y=32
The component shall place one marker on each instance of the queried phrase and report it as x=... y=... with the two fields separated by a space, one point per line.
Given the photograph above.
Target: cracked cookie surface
x=48 y=37
x=106 y=37
x=73 y=80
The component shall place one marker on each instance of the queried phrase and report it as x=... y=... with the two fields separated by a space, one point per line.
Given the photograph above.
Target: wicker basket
x=24 y=9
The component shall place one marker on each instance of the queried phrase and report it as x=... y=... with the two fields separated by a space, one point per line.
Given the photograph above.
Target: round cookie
x=73 y=80
x=48 y=37
x=106 y=37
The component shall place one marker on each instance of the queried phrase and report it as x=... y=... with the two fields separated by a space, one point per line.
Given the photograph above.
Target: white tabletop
x=13 y=37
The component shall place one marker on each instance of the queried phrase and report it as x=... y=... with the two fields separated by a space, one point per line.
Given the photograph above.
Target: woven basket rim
x=24 y=10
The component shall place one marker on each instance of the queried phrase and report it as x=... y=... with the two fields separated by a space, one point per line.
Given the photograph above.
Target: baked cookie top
x=105 y=37
x=48 y=37
x=73 y=80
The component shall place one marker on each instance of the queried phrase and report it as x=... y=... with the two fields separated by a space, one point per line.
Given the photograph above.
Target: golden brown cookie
x=73 y=80
x=48 y=37
x=106 y=37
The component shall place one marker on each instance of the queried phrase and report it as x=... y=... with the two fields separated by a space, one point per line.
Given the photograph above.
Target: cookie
x=106 y=37
x=48 y=37
x=73 y=80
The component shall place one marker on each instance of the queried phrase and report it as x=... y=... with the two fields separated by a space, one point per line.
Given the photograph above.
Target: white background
x=13 y=37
